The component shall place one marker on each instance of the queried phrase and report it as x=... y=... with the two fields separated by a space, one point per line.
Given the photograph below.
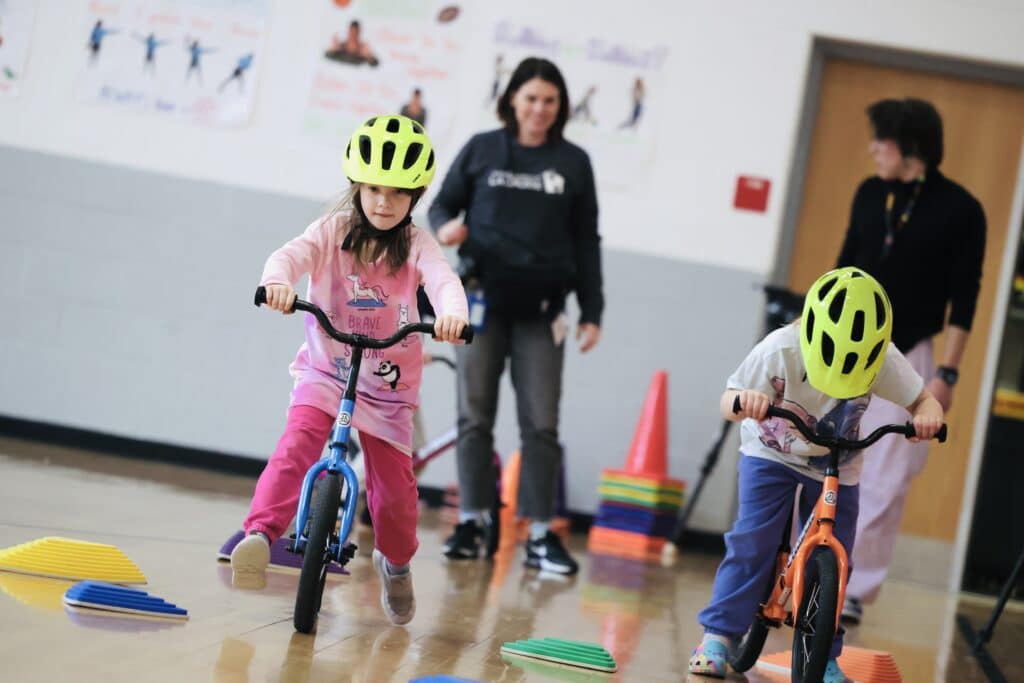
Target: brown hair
x=366 y=247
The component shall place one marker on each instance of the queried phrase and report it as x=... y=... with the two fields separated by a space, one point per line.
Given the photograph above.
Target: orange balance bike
x=812 y=574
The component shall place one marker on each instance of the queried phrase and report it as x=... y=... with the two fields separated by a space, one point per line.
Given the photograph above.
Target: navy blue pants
x=766 y=490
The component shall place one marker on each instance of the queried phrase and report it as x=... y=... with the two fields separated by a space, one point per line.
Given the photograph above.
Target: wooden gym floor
x=171 y=521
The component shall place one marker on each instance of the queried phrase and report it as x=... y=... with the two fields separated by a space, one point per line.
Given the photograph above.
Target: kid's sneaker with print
x=833 y=674
x=709 y=659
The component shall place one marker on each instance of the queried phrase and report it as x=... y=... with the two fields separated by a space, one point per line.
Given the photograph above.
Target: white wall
x=736 y=74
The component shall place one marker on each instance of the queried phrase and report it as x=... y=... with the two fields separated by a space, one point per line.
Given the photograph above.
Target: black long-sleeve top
x=531 y=210
x=935 y=259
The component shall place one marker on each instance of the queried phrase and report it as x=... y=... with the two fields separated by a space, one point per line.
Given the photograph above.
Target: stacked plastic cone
x=639 y=504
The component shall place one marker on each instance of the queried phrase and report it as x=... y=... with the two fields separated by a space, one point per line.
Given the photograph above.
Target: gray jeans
x=537 y=378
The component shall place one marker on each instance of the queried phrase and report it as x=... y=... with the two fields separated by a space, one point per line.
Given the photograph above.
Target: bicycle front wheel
x=315 y=560
x=814 y=627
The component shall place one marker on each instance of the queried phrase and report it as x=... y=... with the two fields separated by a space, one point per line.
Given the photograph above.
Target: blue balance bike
x=321 y=533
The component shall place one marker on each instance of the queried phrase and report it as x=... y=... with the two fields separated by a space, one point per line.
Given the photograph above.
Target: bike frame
x=336 y=462
x=816 y=533
x=817 y=530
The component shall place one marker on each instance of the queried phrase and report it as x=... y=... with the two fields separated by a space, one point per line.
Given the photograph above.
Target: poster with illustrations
x=191 y=59
x=613 y=91
x=16 y=19
x=377 y=57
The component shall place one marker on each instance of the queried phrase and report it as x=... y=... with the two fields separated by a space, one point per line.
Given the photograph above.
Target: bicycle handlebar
x=358 y=339
x=906 y=430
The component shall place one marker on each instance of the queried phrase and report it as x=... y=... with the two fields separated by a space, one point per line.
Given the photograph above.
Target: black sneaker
x=549 y=555
x=465 y=542
x=852 y=612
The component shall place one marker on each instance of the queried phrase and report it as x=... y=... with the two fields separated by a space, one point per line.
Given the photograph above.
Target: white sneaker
x=249 y=562
x=396 y=596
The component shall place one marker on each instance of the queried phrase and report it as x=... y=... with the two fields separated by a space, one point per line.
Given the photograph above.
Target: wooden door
x=984 y=127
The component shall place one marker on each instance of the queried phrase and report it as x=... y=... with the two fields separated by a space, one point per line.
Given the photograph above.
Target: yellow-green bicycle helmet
x=844 y=332
x=391 y=151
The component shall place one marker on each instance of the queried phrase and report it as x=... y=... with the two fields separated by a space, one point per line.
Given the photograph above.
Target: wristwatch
x=947 y=374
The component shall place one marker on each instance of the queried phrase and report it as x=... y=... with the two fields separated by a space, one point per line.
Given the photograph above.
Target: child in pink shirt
x=365 y=260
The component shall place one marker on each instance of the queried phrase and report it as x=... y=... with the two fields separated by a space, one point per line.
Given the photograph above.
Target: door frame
x=824 y=48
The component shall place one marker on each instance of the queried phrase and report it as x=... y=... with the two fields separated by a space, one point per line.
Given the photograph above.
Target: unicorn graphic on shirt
x=372 y=296
x=778 y=433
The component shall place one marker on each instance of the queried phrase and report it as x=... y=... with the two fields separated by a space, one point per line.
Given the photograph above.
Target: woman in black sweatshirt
x=520 y=203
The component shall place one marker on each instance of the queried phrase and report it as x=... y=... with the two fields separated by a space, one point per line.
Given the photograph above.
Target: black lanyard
x=890 y=227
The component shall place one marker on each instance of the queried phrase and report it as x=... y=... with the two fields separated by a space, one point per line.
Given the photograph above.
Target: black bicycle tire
x=820 y=594
x=323 y=517
x=749 y=648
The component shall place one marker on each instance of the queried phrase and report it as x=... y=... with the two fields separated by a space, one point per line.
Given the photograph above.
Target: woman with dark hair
x=922 y=236
x=521 y=204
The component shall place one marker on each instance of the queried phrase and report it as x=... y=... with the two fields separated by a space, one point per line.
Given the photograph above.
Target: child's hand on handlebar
x=449 y=327
x=281 y=298
x=928 y=415
x=753 y=404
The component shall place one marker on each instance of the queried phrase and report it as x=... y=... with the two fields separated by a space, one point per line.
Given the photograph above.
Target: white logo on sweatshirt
x=549 y=182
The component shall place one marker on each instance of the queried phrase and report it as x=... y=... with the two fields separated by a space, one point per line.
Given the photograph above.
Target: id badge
x=477 y=308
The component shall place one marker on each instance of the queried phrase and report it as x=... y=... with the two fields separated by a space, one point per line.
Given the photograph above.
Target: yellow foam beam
x=65 y=558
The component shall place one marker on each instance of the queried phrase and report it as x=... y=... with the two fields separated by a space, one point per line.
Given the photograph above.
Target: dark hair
x=365 y=245
x=914 y=124
x=529 y=68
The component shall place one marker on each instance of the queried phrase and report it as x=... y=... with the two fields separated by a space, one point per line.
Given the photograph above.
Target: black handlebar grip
x=261 y=296
x=467 y=334
x=736 y=407
x=941 y=434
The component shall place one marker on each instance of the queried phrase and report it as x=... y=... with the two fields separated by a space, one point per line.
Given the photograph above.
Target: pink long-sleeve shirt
x=367 y=301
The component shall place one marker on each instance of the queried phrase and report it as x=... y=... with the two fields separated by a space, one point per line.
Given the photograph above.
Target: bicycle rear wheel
x=750 y=646
x=315 y=559
x=814 y=626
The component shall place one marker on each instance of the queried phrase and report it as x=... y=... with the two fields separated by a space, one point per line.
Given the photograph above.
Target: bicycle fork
x=816 y=533
x=334 y=464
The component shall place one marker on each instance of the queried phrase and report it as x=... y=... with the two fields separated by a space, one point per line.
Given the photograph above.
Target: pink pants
x=889 y=467
x=390 y=485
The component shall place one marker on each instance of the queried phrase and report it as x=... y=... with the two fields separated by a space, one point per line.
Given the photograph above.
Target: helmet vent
x=826 y=288
x=850 y=363
x=857 y=333
x=856 y=273
x=394 y=125
x=874 y=354
x=828 y=349
x=369 y=122
x=810 y=327
x=835 y=309
x=365 y=145
x=430 y=161
x=412 y=153
x=417 y=127
x=387 y=155
x=348 y=150
x=879 y=311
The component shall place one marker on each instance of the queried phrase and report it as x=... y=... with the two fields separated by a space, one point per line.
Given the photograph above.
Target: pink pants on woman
x=390 y=485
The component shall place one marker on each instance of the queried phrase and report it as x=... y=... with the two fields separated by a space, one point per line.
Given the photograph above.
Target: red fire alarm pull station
x=752 y=193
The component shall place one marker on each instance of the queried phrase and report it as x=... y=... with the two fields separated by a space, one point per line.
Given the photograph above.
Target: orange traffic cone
x=648 y=454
